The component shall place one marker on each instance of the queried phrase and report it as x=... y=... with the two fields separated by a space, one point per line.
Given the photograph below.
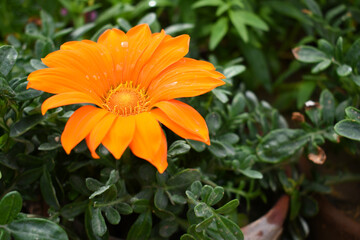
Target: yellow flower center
x=127 y=100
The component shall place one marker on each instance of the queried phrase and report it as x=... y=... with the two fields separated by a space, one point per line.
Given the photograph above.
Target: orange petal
x=120 y=135
x=169 y=52
x=116 y=42
x=176 y=128
x=96 y=135
x=79 y=125
x=93 y=61
x=186 y=119
x=147 y=138
x=60 y=80
x=67 y=98
x=156 y=40
x=185 y=78
x=139 y=38
x=160 y=159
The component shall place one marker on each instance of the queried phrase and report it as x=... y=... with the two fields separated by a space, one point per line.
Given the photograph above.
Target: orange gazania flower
x=131 y=81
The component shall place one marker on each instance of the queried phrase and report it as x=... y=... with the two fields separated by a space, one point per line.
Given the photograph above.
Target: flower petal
x=97 y=134
x=67 y=98
x=185 y=78
x=156 y=40
x=147 y=138
x=185 y=118
x=170 y=51
x=116 y=42
x=79 y=125
x=120 y=135
x=176 y=128
x=160 y=159
x=91 y=60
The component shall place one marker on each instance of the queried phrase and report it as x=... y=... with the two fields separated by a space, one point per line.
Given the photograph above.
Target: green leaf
x=73 y=209
x=196 y=145
x=167 y=228
x=313 y=7
x=232 y=71
x=8 y=56
x=281 y=144
x=353 y=113
x=88 y=226
x=228 y=207
x=124 y=208
x=48 y=190
x=309 y=207
x=37 y=64
x=93 y=184
x=304 y=93
x=184 y=178
x=176 y=28
x=309 y=54
x=98 y=222
x=47 y=24
x=343 y=70
x=178 y=147
x=321 y=66
x=203 y=210
x=239 y=25
x=215 y=196
x=101 y=190
x=204 y=224
x=228 y=229
x=113 y=177
x=4 y=235
x=148 y=19
x=348 y=128
x=251 y=19
x=327 y=103
x=25 y=124
x=295 y=204
x=206 y=3
x=10 y=206
x=36 y=229
x=213 y=120
x=218 y=31
x=112 y=215
x=251 y=173
x=124 y=24
x=218 y=149
x=160 y=199
x=141 y=229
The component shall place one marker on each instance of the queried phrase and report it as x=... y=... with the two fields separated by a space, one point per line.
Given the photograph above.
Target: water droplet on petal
x=124 y=44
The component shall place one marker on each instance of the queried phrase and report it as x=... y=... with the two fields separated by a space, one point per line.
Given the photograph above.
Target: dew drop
x=124 y=44
x=152 y=3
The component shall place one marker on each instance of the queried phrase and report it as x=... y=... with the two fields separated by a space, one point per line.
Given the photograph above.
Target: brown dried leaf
x=318 y=158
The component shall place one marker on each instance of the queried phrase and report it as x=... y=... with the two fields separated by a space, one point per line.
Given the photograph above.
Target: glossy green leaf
x=233 y=71
x=228 y=207
x=213 y=121
x=178 y=147
x=196 y=145
x=112 y=215
x=281 y=144
x=353 y=113
x=167 y=228
x=206 y=3
x=343 y=70
x=251 y=19
x=98 y=222
x=203 y=210
x=184 y=178
x=25 y=124
x=327 y=103
x=8 y=56
x=160 y=199
x=10 y=206
x=36 y=229
x=73 y=209
x=348 y=128
x=239 y=25
x=177 y=28
x=4 y=235
x=251 y=173
x=215 y=196
x=48 y=190
x=321 y=66
x=218 y=149
x=124 y=208
x=204 y=224
x=148 y=19
x=218 y=32
x=309 y=54
x=141 y=229
x=227 y=229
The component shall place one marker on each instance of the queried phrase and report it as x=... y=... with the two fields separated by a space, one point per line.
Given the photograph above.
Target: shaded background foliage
x=276 y=56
